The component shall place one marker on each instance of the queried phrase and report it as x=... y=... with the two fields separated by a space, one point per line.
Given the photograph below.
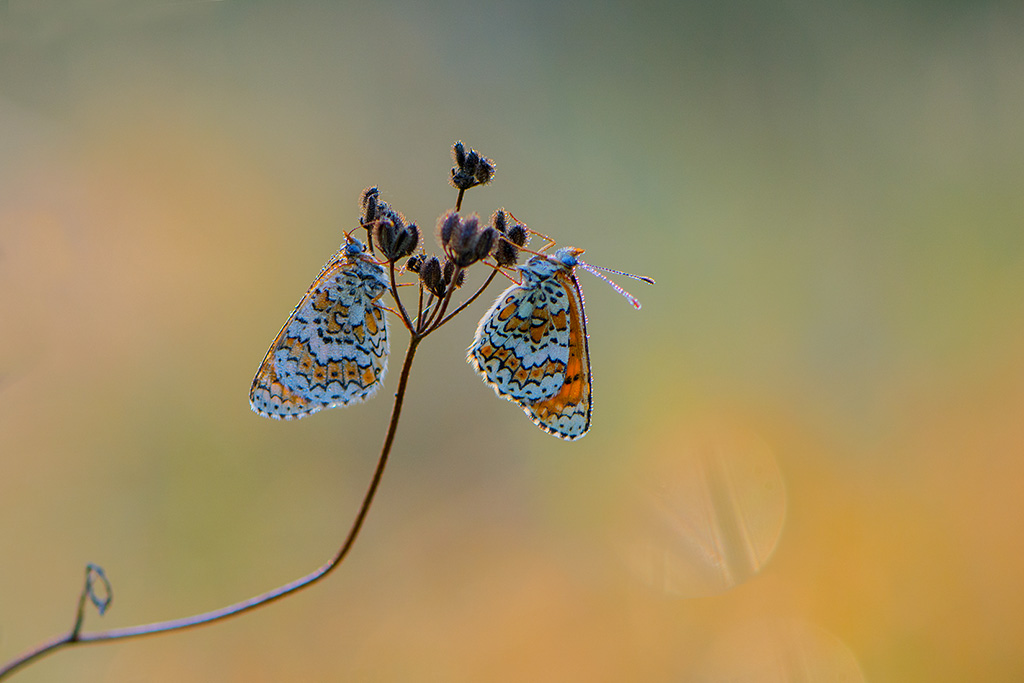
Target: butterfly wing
x=522 y=344
x=531 y=347
x=333 y=349
x=567 y=413
x=270 y=398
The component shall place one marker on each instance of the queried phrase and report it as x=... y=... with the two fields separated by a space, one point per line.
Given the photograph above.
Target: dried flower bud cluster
x=430 y=276
x=387 y=227
x=396 y=240
x=510 y=238
x=471 y=168
x=436 y=277
x=464 y=240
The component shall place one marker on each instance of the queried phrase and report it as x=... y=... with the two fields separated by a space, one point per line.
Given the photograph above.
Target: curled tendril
x=95 y=576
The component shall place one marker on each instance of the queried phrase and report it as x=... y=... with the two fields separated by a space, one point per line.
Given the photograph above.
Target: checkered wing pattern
x=531 y=347
x=333 y=350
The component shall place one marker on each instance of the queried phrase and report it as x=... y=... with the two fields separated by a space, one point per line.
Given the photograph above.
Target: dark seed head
x=484 y=171
x=383 y=233
x=499 y=219
x=394 y=239
x=446 y=228
x=471 y=167
x=414 y=263
x=430 y=276
x=485 y=242
x=472 y=161
x=506 y=248
x=462 y=181
x=518 y=234
x=368 y=203
x=463 y=244
x=464 y=233
x=407 y=242
x=505 y=253
x=384 y=210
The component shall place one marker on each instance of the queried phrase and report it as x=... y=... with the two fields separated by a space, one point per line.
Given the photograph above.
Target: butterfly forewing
x=521 y=345
x=531 y=347
x=333 y=349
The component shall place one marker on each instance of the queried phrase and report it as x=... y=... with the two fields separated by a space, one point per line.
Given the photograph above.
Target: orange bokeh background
x=807 y=459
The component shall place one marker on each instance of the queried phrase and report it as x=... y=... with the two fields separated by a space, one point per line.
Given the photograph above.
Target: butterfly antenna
x=595 y=270
x=641 y=278
x=348 y=233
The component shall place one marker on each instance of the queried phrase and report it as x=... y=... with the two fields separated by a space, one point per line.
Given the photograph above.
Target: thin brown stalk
x=398 y=299
x=467 y=302
x=75 y=637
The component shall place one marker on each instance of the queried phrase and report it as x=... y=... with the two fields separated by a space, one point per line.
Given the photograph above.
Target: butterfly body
x=532 y=347
x=333 y=349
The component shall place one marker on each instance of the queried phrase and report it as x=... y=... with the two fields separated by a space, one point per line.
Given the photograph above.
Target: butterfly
x=532 y=345
x=333 y=350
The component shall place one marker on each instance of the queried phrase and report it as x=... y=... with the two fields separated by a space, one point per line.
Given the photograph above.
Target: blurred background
x=806 y=458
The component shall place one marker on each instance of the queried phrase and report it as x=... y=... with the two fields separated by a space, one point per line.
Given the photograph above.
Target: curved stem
x=398 y=299
x=75 y=637
x=442 y=306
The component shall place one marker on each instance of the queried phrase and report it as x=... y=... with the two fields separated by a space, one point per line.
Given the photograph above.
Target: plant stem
x=74 y=637
x=398 y=299
x=467 y=302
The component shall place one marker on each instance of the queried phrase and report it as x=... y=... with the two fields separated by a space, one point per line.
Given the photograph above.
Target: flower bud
x=464 y=234
x=430 y=276
x=499 y=219
x=368 y=203
x=472 y=161
x=506 y=248
x=505 y=253
x=394 y=239
x=485 y=242
x=518 y=234
x=484 y=171
x=471 y=167
x=446 y=227
x=463 y=246
x=407 y=242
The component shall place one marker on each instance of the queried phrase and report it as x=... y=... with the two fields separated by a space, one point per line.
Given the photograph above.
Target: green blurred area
x=828 y=195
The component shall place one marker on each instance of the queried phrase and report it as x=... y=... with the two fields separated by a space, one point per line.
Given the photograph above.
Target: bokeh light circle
x=707 y=513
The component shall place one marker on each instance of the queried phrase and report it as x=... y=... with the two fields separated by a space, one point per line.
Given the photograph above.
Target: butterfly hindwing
x=567 y=413
x=333 y=349
x=531 y=347
x=521 y=346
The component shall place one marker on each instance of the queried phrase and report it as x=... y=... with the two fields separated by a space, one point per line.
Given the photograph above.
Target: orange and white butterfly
x=333 y=350
x=532 y=347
